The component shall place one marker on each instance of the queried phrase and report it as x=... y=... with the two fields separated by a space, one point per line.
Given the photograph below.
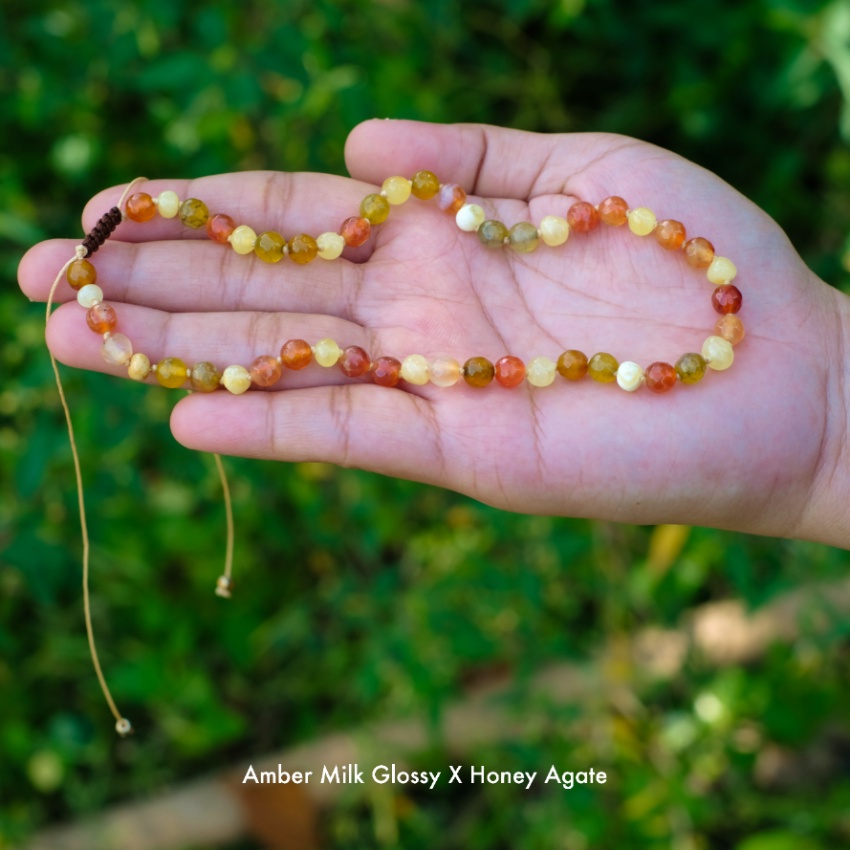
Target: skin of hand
x=760 y=448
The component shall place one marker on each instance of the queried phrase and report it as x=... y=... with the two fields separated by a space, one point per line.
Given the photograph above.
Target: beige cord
x=224 y=584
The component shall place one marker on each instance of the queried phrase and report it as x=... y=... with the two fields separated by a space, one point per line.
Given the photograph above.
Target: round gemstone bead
x=554 y=230
x=492 y=233
x=540 y=372
x=296 y=353
x=117 y=350
x=602 y=367
x=171 y=372
x=168 y=204
x=375 y=209
x=101 y=317
x=414 y=369
x=670 y=234
x=424 y=185
x=451 y=198
x=355 y=231
x=269 y=246
x=396 y=190
x=219 y=227
x=89 y=295
x=80 y=273
x=330 y=245
x=699 y=252
x=660 y=377
x=718 y=353
x=642 y=221
x=726 y=298
x=510 y=371
x=629 y=376
x=572 y=364
x=303 y=249
x=354 y=361
x=205 y=377
x=139 y=367
x=582 y=217
x=194 y=213
x=690 y=368
x=721 y=270
x=140 y=207
x=614 y=211
x=478 y=371
x=236 y=379
x=265 y=371
x=470 y=217
x=243 y=239
x=327 y=352
x=444 y=371
x=386 y=371
x=730 y=327
x=523 y=237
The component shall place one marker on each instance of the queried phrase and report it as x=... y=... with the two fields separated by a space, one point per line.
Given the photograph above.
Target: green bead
x=493 y=233
x=603 y=367
x=194 y=213
x=523 y=237
x=690 y=368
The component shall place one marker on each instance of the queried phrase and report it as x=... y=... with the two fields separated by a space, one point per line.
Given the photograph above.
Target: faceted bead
x=641 y=221
x=718 y=353
x=265 y=371
x=80 y=273
x=168 y=204
x=572 y=364
x=670 y=234
x=730 y=327
x=296 y=353
x=493 y=233
x=219 y=227
x=236 y=379
x=414 y=369
x=89 y=295
x=139 y=367
x=451 y=198
x=721 y=270
x=629 y=376
x=660 y=377
x=602 y=367
x=375 y=209
x=470 y=217
x=444 y=371
x=117 y=350
x=478 y=371
x=424 y=185
x=355 y=231
x=396 y=190
x=327 y=352
x=727 y=299
x=386 y=371
x=140 y=207
x=101 y=317
x=510 y=371
x=205 y=377
x=614 y=211
x=194 y=213
x=171 y=372
x=269 y=246
x=303 y=249
x=243 y=239
x=554 y=230
x=582 y=217
x=354 y=361
x=699 y=252
x=690 y=368
x=330 y=245
x=540 y=372
x=523 y=237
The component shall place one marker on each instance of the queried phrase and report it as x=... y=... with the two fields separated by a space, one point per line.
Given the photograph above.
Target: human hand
x=760 y=448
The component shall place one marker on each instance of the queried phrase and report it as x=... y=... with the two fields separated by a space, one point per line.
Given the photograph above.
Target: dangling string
x=224 y=585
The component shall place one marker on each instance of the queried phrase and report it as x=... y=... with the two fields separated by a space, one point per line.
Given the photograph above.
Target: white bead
x=470 y=217
x=116 y=349
x=554 y=230
x=167 y=203
x=718 y=353
x=89 y=295
x=330 y=245
x=236 y=379
x=540 y=372
x=414 y=369
x=629 y=375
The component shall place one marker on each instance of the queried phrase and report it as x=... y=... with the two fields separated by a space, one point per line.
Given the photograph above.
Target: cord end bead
x=223 y=587
x=123 y=727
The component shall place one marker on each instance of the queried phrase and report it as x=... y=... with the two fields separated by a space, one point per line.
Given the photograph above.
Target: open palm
x=752 y=448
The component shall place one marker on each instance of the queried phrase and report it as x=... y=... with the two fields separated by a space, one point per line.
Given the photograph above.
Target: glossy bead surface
x=375 y=209
x=327 y=352
x=478 y=371
x=510 y=371
x=269 y=246
x=699 y=252
x=205 y=377
x=168 y=204
x=641 y=221
x=80 y=273
x=572 y=364
x=660 y=377
x=386 y=371
x=219 y=227
x=236 y=379
x=451 y=198
x=730 y=327
x=424 y=185
x=721 y=270
x=354 y=361
x=296 y=353
x=602 y=367
x=470 y=217
x=139 y=367
x=265 y=371
x=303 y=249
x=670 y=234
x=355 y=231
x=194 y=213
x=329 y=245
x=396 y=190
x=540 y=372
x=243 y=239
x=171 y=372
x=718 y=353
x=414 y=369
x=629 y=376
x=523 y=237
x=726 y=298
x=101 y=317
x=492 y=233
x=614 y=211
x=582 y=217
x=690 y=368
x=140 y=207
x=444 y=371
x=89 y=295
x=117 y=350
x=554 y=230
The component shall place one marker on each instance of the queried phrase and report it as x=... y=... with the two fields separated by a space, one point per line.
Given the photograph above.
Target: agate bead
x=265 y=371
x=554 y=230
x=602 y=367
x=690 y=368
x=236 y=379
x=614 y=211
x=171 y=372
x=660 y=377
x=670 y=234
x=101 y=317
x=582 y=217
x=80 y=273
x=424 y=185
x=205 y=378
x=726 y=298
x=303 y=249
x=269 y=246
x=523 y=237
x=444 y=371
x=396 y=190
x=219 y=227
x=330 y=245
x=730 y=327
x=140 y=207
x=355 y=231
x=540 y=372
x=386 y=371
x=451 y=198
x=699 y=252
x=354 y=361
x=327 y=352
x=194 y=213
x=375 y=209
x=478 y=371
x=721 y=270
x=492 y=233
x=117 y=350
x=641 y=221
x=296 y=353
x=572 y=364
x=510 y=371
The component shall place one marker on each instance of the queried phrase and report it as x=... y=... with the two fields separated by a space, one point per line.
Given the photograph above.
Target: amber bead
x=451 y=198
x=205 y=377
x=296 y=353
x=690 y=368
x=140 y=207
x=354 y=361
x=493 y=233
x=603 y=367
x=269 y=247
x=730 y=327
x=478 y=371
x=219 y=227
x=355 y=231
x=80 y=273
x=375 y=209
x=699 y=252
x=572 y=365
x=510 y=371
x=582 y=217
x=424 y=185
x=101 y=318
x=386 y=371
x=265 y=371
x=303 y=249
x=194 y=213
x=726 y=299
x=614 y=211
x=670 y=234
x=659 y=377
x=523 y=237
x=171 y=372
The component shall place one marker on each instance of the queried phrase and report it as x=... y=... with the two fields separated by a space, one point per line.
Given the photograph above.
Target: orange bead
x=614 y=211
x=699 y=252
x=451 y=198
x=670 y=234
x=386 y=371
x=265 y=371
x=303 y=249
x=478 y=371
x=582 y=217
x=727 y=299
x=355 y=231
x=659 y=377
x=296 y=354
x=101 y=318
x=730 y=327
x=424 y=185
x=354 y=361
x=510 y=371
x=140 y=207
x=80 y=273
x=219 y=227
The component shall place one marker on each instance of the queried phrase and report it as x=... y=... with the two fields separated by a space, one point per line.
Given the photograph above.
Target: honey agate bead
x=721 y=270
x=386 y=371
x=219 y=227
x=396 y=190
x=603 y=367
x=523 y=237
x=168 y=204
x=690 y=368
x=540 y=372
x=327 y=352
x=444 y=371
x=699 y=252
x=139 y=367
x=101 y=318
x=510 y=371
x=670 y=234
x=269 y=246
x=265 y=371
x=730 y=327
x=330 y=245
x=303 y=249
x=582 y=217
x=642 y=221
x=572 y=364
x=554 y=230
x=492 y=233
x=375 y=209
x=236 y=379
x=171 y=372
x=355 y=231
x=478 y=371
x=614 y=211
x=660 y=377
x=205 y=377
x=424 y=185
x=354 y=361
x=80 y=273
x=243 y=240
x=727 y=299
x=194 y=213
x=451 y=198
x=717 y=353
x=140 y=207
x=296 y=353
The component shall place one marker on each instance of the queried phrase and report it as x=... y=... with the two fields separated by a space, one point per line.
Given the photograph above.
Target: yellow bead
x=396 y=190
x=444 y=371
x=642 y=221
x=414 y=369
x=303 y=249
x=327 y=352
x=89 y=295
x=554 y=230
x=375 y=209
x=171 y=372
x=194 y=213
x=269 y=247
x=236 y=379
x=168 y=204
x=602 y=367
x=629 y=376
x=721 y=270
x=718 y=353
x=243 y=239
x=330 y=245
x=424 y=185
x=139 y=367
x=470 y=217
x=540 y=372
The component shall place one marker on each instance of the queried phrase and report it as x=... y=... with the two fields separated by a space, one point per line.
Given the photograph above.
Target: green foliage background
x=362 y=597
